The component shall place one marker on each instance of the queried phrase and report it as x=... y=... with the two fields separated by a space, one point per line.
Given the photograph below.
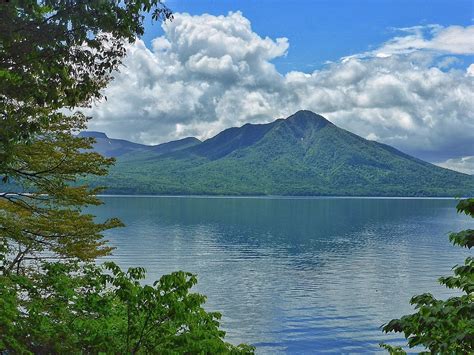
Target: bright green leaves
x=463 y=278
x=75 y=309
x=443 y=326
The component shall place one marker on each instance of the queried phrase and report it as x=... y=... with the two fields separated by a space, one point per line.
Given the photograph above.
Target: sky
x=399 y=72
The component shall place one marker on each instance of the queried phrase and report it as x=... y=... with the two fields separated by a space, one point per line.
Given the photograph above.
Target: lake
x=295 y=275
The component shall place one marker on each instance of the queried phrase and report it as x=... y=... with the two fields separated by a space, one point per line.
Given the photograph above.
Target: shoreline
x=283 y=197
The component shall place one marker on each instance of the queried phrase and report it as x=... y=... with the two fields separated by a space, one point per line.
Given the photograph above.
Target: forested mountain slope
x=304 y=154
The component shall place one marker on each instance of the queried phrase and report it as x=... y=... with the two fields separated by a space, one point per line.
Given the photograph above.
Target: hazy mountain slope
x=111 y=147
x=302 y=155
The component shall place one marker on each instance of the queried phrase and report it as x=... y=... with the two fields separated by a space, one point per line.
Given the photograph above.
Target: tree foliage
x=55 y=57
x=444 y=326
x=59 y=54
x=48 y=220
x=90 y=309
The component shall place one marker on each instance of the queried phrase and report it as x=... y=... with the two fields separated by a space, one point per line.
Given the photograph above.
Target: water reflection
x=294 y=275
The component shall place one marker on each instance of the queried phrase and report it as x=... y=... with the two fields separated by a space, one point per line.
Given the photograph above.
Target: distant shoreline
x=273 y=197
x=282 y=197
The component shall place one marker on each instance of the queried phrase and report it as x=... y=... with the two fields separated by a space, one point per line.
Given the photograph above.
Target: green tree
x=59 y=54
x=90 y=309
x=444 y=326
x=48 y=221
x=55 y=57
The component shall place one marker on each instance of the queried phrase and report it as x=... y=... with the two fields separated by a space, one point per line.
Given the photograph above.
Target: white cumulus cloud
x=463 y=164
x=208 y=73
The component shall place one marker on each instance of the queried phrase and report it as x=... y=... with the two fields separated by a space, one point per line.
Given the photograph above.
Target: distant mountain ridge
x=111 y=147
x=304 y=154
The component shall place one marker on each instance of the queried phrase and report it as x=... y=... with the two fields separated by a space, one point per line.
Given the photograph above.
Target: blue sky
x=398 y=72
x=320 y=31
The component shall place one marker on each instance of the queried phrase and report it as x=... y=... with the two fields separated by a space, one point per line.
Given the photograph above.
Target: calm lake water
x=295 y=275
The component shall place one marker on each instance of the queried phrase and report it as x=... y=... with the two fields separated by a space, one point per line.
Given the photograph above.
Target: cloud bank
x=208 y=73
x=464 y=164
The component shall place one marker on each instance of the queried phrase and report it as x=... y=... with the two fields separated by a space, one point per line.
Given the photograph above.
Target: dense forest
x=304 y=154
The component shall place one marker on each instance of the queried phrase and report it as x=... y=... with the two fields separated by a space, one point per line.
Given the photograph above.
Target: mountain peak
x=305 y=121
x=92 y=134
x=306 y=115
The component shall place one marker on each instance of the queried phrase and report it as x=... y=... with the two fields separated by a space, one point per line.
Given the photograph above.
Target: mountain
x=304 y=154
x=110 y=147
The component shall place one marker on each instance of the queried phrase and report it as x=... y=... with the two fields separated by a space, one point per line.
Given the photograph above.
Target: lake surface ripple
x=303 y=275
